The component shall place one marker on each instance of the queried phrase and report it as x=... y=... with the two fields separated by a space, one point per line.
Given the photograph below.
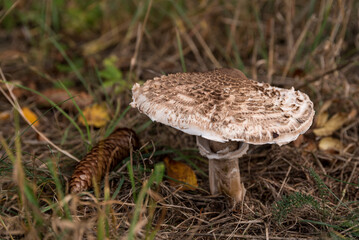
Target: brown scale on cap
x=224 y=105
x=103 y=158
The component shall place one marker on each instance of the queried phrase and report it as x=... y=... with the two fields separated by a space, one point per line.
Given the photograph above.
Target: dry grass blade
x=16 y=106
x=296 y=46
x=351 y=62
x=102 y=158
x=9 y=10
x=271 y=52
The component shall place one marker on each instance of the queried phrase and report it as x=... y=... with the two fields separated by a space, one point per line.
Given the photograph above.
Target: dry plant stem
x=224 y=176
x=103 y=158
x=296 y=46
x=9 y=10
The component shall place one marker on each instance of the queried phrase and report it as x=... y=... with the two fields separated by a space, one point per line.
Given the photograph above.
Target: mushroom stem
x=224 y=174
x=224 y=177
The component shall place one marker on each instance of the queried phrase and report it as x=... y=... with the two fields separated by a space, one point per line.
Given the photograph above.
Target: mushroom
x=226 y=111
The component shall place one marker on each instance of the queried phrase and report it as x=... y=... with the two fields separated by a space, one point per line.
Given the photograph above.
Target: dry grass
x=293 y=191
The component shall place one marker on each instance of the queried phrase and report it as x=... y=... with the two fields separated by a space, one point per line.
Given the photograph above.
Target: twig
x=284 y=181
x=347 y=184
x=352 y=61
x=140 y=31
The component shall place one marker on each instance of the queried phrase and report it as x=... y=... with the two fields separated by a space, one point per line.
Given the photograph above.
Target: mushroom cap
x=224 y=105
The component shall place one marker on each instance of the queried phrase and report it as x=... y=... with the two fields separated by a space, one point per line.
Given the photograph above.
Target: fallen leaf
x=96 y=115
x=310 y=146
x=182 y=173
x=352 y=114
x=180 y=25
x=299 y=73
x=4 y=115
x=60 y=96
x=18 y=91
x=333 y=124
x=326 y=105
x=204 y=28
x=323 y=114
x=30 y=116
x=322 y=119
x=330 y=144
x=299 y=141
x=8 y=55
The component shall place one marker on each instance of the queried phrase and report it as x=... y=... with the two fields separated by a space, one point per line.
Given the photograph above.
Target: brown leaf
x=96 y=115
x=311 y=146
x=333 y=124
x=182 y=173
x=323 y=114
x=60 y=96
x=322 y=119
x=298 y=72
x=299 y=141
x=18 y=91
x=330 y=144
x=30 y=116
x=10 y=54
x=353 y=113
x=325 y=106
x=103 y=158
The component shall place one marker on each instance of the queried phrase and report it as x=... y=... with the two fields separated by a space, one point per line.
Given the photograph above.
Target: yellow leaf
x=4 y=115
x=333 y=124
x=180 y=25
x=321 y=119
x=322 y=116
x=96 y=115
x=330 y=144
x=30 y=116
x=325 y=106
x=182 y=173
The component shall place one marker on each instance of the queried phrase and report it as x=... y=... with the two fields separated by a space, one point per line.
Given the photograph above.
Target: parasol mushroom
x=226 y=111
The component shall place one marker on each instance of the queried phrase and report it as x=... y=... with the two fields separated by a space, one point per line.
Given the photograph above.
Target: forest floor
x=55 y=53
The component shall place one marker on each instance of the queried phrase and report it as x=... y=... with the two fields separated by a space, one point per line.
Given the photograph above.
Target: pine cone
x=103 y=158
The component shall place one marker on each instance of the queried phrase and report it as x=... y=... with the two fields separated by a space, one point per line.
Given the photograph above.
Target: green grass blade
x=157 y=177
x=73 y=122
x=113 y=125
x=70 y=62
x=180 y=49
